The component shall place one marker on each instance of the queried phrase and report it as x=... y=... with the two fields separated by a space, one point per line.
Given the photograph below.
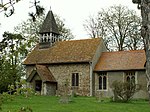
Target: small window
x=75 y=79
x=100 y=82
x=103 y=81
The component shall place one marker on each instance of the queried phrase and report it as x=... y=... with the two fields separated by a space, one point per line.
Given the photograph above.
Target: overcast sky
x=73 y=11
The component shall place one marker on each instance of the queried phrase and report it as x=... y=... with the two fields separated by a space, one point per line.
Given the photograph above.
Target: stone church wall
x=50 y=89
x=63 y=75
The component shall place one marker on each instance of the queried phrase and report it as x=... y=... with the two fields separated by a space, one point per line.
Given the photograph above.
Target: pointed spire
x=49 y=33
x=49 y=25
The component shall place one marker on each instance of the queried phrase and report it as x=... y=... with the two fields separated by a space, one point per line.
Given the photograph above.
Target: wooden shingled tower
x=49 y=33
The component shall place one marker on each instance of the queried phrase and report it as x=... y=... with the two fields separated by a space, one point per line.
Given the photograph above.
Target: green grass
x=79 y=104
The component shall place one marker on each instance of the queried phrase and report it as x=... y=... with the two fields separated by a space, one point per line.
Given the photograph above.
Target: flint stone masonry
x=50 y=89
x=63 y=74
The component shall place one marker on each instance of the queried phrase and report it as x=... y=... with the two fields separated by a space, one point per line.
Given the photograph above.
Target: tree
x=12 y=50
x=144 y=5
x=30 y=30
x=118 y=26
x=6 y=75
x=65 y=32
x=8 y=8
x=14 y=47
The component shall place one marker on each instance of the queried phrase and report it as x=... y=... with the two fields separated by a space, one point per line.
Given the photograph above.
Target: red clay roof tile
x=121 y=60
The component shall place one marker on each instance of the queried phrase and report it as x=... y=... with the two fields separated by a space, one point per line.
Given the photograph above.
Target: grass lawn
x=79 y=104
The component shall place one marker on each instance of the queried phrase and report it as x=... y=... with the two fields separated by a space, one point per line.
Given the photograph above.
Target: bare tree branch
x=116 y=24
x=4 y=6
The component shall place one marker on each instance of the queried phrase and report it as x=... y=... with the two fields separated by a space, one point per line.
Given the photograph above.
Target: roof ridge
x=124 y=51
x=121 y=60
x=84 y=39
x=65 y=52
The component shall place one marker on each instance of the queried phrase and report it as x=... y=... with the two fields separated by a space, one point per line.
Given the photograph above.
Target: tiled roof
x=121 y=60
x=44 y=74
x=64 y=52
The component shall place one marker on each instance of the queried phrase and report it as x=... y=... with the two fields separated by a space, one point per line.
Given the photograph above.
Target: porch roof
x=43 y=72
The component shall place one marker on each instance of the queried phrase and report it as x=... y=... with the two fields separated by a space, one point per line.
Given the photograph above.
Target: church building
x=84 y=66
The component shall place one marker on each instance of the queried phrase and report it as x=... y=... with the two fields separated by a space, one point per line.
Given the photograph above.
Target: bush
x=24 y=109
x=4 y=98
x=1 y=102
x=124 y=91
x=22 y=89
x=27 y=109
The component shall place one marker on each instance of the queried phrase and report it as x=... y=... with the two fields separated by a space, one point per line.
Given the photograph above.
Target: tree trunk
x=145 y=13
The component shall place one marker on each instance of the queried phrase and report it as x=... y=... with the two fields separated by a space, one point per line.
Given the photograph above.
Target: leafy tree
x=30 y=30
x=8 y=75
x=14 y=48
x=12 y=51
x=118 y=26
x=5 y=76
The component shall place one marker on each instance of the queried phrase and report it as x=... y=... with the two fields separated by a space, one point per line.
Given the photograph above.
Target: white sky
x=75 y=12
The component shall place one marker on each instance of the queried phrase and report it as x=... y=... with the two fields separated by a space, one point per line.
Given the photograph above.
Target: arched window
x=133 y=79
x=103 y=81
x=128 y=79
x=130 y=76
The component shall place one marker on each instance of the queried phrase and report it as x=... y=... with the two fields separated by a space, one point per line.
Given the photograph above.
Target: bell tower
x=49 y=33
